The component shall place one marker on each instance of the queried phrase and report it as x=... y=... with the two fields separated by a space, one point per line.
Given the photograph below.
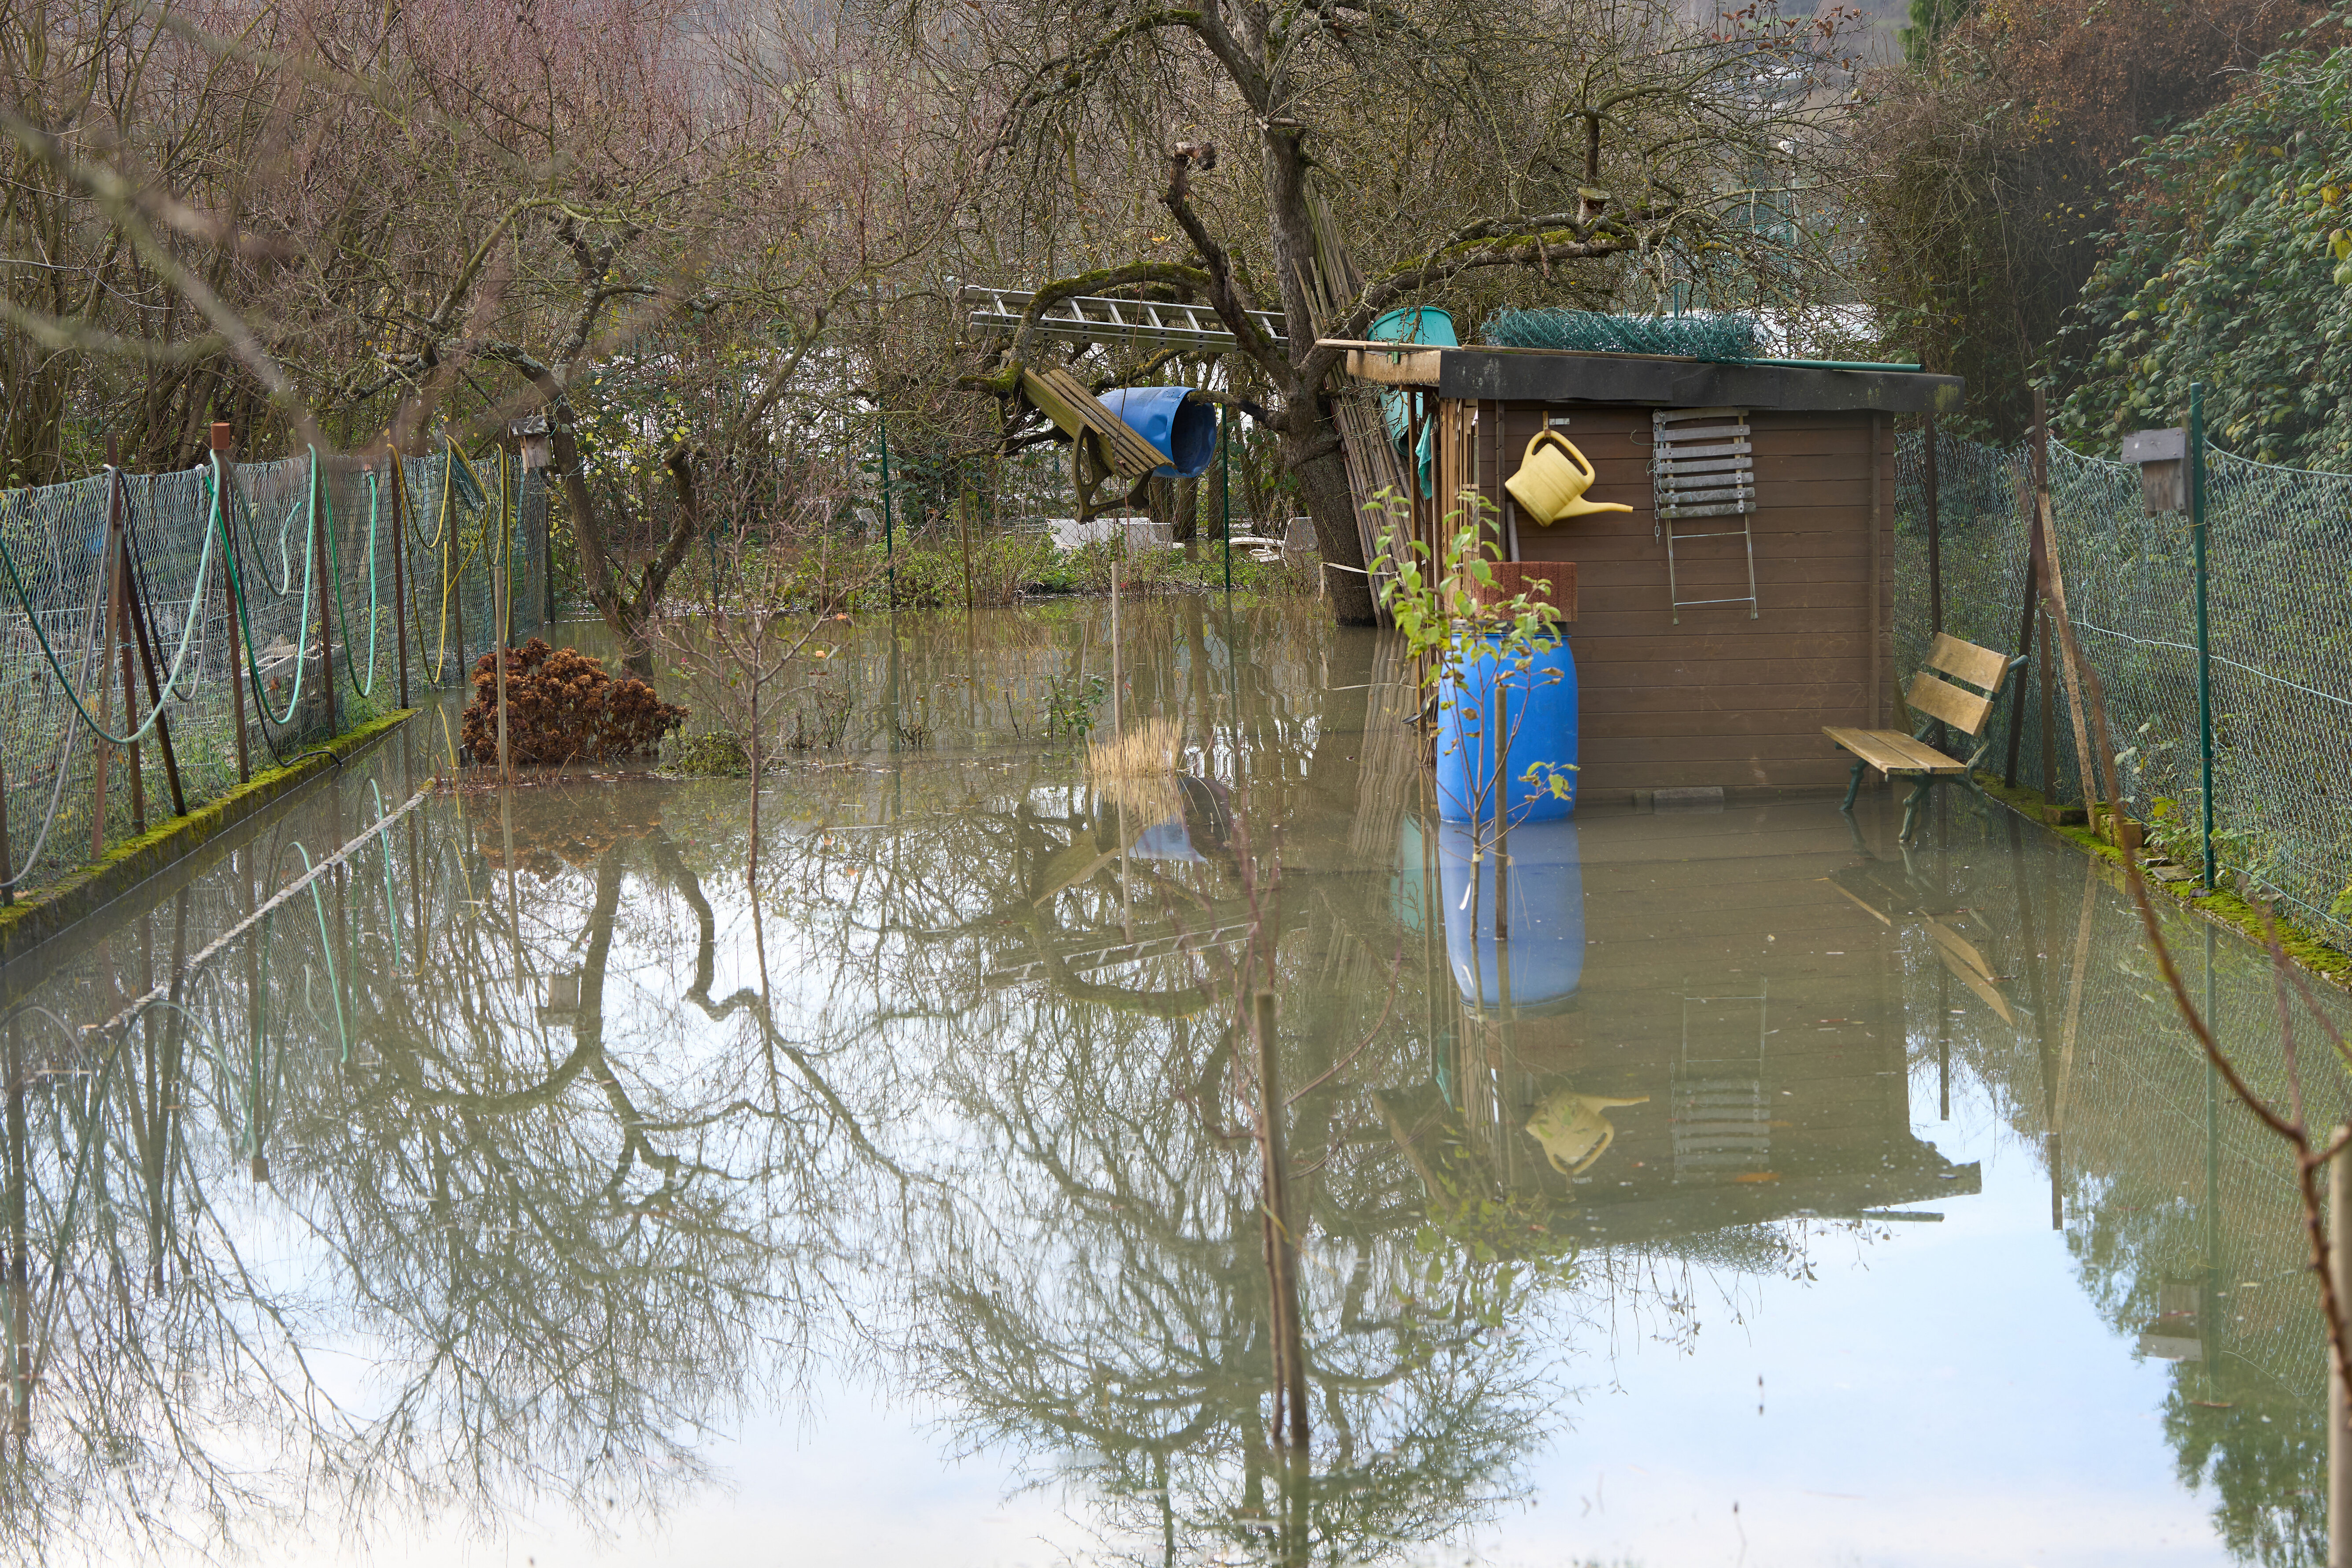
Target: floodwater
x=527 y=1188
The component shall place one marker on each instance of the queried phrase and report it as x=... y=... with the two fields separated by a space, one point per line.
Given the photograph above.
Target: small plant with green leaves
x=1070 y=704
x=1451 y=612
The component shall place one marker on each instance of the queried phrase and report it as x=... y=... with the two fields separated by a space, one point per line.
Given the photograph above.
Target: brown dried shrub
x=563 y=706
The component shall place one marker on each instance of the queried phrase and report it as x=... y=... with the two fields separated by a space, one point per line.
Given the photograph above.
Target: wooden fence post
x=119 y=632
x=1281 y=1238
x=2339 y=1407
x=150 y=654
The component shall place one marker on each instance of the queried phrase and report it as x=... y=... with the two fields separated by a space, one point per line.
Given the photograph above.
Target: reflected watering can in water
x=1552 y=478
x=1573 y=1130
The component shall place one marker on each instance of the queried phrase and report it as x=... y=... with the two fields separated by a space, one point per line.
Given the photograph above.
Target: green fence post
x=1225 y=487
x=889 y=549
x=2204 y=629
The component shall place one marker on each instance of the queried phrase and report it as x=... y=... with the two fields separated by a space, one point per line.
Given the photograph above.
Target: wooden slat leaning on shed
x=1935 y=700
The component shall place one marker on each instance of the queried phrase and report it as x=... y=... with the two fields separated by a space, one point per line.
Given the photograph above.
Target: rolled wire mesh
x=56 y=539
x=2279 y=588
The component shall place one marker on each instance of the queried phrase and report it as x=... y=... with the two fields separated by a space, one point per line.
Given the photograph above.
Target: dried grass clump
x=1138 y=768
x=562 y=705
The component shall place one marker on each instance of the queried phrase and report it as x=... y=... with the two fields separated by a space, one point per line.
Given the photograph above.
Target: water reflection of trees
x=532 y=1221
x=536 y=1144
x=2181 y=1218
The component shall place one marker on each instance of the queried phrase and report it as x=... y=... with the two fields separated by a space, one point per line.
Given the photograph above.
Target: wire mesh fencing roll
x=299 y=552
x=2279 y=590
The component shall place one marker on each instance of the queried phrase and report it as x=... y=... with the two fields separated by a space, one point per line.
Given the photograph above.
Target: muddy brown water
x=528 y=1189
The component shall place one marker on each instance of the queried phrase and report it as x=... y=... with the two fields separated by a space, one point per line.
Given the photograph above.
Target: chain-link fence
x=118 y=702
x=2279 y=588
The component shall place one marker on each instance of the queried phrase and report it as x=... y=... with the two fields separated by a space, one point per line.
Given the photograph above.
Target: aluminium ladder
x=999 y=313
x=1704 y=466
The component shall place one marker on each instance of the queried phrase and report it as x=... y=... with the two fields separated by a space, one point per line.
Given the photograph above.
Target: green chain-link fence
x=192 y=550
x=2279 y=564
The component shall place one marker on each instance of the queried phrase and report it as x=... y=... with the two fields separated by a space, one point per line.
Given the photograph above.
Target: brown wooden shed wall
x=1720 y=699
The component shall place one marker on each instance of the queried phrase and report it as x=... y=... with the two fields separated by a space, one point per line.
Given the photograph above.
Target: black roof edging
x=1566 y=377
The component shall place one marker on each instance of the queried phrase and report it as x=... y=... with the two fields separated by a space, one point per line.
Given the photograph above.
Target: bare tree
x=1332 y=162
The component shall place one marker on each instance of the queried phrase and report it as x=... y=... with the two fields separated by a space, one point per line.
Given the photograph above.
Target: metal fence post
x=889 y=546
x=2038 y=456
x=1935 y=536
x=225 y=474
x=400 y=565
x=2204 y=629
x=326 y=586
x=1225 y=487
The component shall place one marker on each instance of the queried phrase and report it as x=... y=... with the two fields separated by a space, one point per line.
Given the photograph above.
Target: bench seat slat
x=1893 y=752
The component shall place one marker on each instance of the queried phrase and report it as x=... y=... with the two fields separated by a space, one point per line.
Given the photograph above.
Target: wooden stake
x=2049 y=716
x=2069 y=667
x=2339 y=1408
x=150 y=656
x=1281 y=1237
x=129 y=687
x=118 y=629
x=223 y=445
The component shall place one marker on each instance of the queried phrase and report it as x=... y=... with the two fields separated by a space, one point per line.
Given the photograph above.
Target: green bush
x=715 y=753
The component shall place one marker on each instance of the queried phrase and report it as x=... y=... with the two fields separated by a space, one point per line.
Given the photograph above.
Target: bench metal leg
x=1852 y=787
x=1911 y=806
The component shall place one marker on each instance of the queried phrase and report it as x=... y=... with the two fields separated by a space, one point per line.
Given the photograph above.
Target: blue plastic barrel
x=1543 y=890
x=1184 y=430
x=1537 y=718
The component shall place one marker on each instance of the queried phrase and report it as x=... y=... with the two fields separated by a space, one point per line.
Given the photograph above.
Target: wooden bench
x=1934 y=701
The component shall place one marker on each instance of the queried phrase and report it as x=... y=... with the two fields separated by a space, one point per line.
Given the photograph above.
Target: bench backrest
x=1938 y=698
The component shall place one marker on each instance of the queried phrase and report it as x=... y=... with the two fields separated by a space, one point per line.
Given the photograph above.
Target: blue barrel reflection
x=1533 y=712
x=1544 y=897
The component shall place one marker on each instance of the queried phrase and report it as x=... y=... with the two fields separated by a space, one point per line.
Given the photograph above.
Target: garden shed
x=1743 y=599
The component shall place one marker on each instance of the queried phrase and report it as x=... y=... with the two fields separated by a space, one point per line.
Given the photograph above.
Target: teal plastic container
x=1426 y=325
x=1531 y=712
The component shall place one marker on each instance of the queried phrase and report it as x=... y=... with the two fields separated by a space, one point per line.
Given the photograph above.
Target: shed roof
x=1569 y=375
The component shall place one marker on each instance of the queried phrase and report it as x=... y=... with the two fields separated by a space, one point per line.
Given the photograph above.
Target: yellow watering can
x=1573 y=1130
x=1552 y=478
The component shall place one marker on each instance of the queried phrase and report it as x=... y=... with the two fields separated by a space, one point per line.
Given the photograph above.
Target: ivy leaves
x=2232 y=266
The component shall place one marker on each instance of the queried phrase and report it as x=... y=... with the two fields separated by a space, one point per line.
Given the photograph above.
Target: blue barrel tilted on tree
x=1172 y=418
x=1535 y=711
